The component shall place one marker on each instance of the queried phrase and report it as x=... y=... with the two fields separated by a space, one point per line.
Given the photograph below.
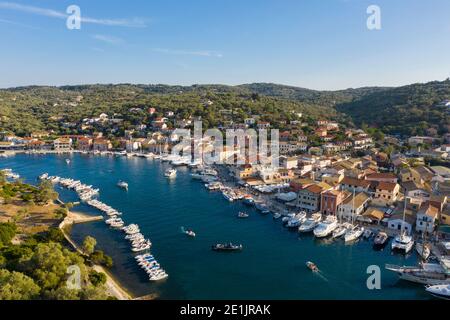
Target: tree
x=7 y=232
x=97 y=278
x=17 y=286
x=89 y=244
x=99 y=257
x=62 y=293
x=93 y=293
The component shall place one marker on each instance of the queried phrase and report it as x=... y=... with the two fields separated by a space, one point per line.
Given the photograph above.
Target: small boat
x=170 y=173
x=68 y=161
x=380 y=240
x=441 y=291
x=123 y=185
x=276 y=215
x=367 y=234
x=243 y=215
x=190 y=233
x=226 y=247
x=249 y=201
x=326 y=227
x=312 y=266
x=423 y=250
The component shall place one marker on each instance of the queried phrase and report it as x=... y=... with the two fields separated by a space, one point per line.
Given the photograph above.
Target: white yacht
x=326 y=227
x=441 y=291
x=170 y=173
x=340 y=230
x=353 y=233
x=311 y=223
x=403 y=242
x=297 y=220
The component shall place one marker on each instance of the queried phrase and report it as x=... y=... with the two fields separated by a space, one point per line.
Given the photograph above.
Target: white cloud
x=132 y=23
x=108 y=39
x=201 y=53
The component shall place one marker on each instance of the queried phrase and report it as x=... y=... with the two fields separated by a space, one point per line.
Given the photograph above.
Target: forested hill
x=407 y=110
x=410 y=110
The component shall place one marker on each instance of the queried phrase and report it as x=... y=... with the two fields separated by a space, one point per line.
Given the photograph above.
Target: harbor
x=272 y=254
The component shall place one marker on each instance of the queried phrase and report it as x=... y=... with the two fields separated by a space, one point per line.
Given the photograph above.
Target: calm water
x=271 y=266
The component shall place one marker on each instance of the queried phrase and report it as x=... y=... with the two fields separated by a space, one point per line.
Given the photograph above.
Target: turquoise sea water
x=271 y=266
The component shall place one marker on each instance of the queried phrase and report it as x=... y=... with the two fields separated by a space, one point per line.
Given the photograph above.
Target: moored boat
x=380 y=240
x=226 y=247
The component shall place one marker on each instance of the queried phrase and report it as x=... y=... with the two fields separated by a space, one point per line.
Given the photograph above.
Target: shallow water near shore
x=271 y=266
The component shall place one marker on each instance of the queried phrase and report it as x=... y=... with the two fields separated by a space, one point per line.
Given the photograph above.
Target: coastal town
x=333 y=170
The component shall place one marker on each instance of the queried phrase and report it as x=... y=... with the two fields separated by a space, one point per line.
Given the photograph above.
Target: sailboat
x=403 y=242
x=354 y=231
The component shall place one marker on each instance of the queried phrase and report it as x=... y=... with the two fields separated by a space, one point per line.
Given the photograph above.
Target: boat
x=339 y=231
x=423 y=250
x=353 y=233
x=403 y=243
x=276 y=215
x=380 y=240
x=311 y=223
x=441 y=291
x=68 y=161
x=248 y=201
x=189 y=233
x=326 y=227
x=123 y=185
x=170 y=173
x=312 y=266
x=367 y=234
x=158 y=277
x=226 y=247
x=243 y=215
x=297 y=220
x=424 y=273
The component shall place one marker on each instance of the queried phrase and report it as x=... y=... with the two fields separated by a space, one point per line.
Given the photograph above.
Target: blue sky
x=319 y=44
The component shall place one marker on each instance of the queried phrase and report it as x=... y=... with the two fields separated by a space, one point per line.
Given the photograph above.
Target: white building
x=426 y=219
x=353 y=206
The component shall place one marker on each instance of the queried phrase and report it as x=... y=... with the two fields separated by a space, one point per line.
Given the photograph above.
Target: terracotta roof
x=360 y=199
x=314 y=188
x=374 y=213
x=355 y=182
x=382 y=175
x=386 y=186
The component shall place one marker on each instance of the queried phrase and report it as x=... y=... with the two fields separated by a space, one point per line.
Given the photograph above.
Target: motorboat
x=403 y=242
x=441 y=291
x=311 y=223
x=226 y=247
x=170 y=173
x=123 y=185
x=339 y=231
x=248 y=201
x=312 y=266
x=276 y=215
x=353 y=233
x=68 y=161
x=326 y=227
x=189 y=233
x=297 y=220
x=243 y=215
x=367 y=234
x=423 y=250
x=380 y=240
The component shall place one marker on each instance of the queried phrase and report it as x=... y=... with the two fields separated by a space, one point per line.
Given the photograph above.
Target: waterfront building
x=62 y=144
x=386 y=193
x=309 y=197
x=426 y=218
x=354 y=185
x=353 y=206
x=102 y=145
x=331 y=199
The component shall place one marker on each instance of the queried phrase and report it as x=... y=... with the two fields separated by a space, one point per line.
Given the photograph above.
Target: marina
x=158 y=209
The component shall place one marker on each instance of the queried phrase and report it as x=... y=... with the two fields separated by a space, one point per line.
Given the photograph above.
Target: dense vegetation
x=36 y=265
x=404 y=110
